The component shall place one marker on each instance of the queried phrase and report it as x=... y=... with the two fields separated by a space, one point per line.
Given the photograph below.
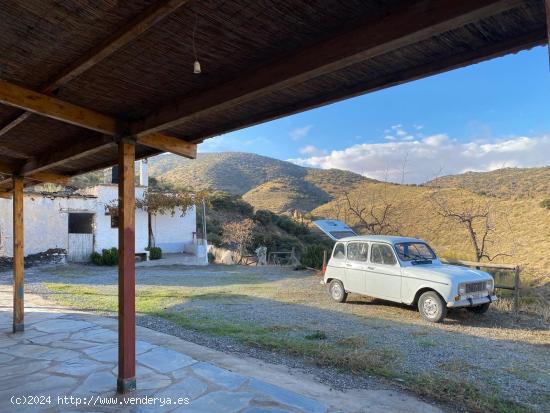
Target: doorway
x=81 y=236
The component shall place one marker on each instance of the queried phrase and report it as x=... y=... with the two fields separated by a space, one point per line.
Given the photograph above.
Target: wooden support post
x=18 y=256
x=126 y=269
x=516 y=291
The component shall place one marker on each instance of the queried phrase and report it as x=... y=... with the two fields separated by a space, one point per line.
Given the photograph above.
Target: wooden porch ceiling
x=125 y=72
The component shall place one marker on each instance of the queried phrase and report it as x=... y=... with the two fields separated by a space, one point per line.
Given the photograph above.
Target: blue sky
x=482 y=117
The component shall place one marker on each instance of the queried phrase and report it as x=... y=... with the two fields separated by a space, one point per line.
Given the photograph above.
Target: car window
x=358 y=251
x=339 y=251
x=414 y=251
x=382 y=254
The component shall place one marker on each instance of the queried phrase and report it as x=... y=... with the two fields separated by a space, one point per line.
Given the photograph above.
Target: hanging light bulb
x=196 y=67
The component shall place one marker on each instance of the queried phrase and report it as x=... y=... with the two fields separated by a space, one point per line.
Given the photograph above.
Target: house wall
x=107 y=237
x=46 y=222
x=174 y=233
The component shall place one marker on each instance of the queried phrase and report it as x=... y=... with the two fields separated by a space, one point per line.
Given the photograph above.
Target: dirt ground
x=495 y=358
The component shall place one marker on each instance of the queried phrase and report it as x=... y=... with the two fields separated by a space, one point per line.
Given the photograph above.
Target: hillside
x=507 y=183
x=264 y=182
x=288 y=193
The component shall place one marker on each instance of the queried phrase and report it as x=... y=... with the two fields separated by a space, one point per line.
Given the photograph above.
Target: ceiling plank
x=169 y=144
x=8 y=168
x=126 y=34
x=535 y=38
x=17 y=96
x=421 y=20
x=5 y=194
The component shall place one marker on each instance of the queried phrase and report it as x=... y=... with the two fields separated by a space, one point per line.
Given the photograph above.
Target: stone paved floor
x=63 y=353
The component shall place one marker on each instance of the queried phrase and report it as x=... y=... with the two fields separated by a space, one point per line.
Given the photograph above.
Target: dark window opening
x=114 y=221
x=81 y=223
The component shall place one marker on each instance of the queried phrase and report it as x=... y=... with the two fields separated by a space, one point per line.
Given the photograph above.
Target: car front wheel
x=479 y=309
x=432 y=307
x=337 y=291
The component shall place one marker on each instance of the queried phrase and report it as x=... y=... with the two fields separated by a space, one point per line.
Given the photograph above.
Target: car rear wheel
x=337 y=291
x=480 y=309
x=432 y=307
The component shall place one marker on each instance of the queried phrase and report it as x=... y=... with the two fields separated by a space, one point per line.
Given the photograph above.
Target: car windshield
x=414 y=251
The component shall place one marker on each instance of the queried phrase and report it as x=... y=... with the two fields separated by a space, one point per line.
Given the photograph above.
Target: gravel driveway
x=495 y=350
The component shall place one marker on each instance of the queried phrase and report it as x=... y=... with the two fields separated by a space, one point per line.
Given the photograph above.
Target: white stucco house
x=80 y=223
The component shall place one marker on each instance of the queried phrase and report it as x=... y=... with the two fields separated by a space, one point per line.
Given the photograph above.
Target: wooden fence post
x=516 y=291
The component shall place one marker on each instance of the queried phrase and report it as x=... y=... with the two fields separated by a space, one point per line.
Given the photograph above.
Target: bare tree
x=477 y=218
x=376 y=211
x=239 y=235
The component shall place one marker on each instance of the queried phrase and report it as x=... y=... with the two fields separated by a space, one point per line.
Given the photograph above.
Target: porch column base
x=125 y=385
x=18 y=327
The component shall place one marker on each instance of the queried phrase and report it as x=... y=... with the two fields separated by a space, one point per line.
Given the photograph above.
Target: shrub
x=312 y=256
x=545 y=203
x=155 y=253
x=211 y=258
x=96 y=258
x=107 y=257
x=265 y=217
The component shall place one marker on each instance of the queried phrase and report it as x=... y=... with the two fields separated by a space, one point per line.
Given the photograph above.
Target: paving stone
x=107 y=354
x=43 y=384
x=25 y=350
x=73 y=344
x=97 y=383
x=98 y=335
x=62 y=325
x=59 y=354
x=76 y=367
x=190 y=387
x=47 y=338
x=218 y=376
x=152 y=381
x=287 y=397
x=263 y=409
x=165 y=360
x=221 y=401
x=4 y=358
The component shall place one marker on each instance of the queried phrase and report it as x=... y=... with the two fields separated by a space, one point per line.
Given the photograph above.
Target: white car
x=405 y=270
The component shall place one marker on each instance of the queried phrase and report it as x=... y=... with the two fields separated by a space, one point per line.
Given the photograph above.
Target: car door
x=356 y=264
x=383 y=273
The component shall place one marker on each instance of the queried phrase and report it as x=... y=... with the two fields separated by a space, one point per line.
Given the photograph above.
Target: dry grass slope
x=522 y=224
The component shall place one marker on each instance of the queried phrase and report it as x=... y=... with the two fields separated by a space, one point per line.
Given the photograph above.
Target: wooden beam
x=126 y=269
x=50 y=178
x=8 y=167
x=42 y=104
x=514 y=45
x=18 y=256
x=127 y=33
x=379 y=35
x=169 y=144
x=17 y=96
x=79 y=149
x=5 y=194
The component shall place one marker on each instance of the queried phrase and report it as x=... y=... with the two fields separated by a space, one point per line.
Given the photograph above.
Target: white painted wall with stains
x=46 y=222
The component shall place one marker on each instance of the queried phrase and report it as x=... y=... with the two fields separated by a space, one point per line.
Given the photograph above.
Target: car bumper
x=472 y=302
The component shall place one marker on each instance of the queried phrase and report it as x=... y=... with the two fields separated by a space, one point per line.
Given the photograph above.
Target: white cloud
x=300 y=133
x=433 y=155
x=312 y=151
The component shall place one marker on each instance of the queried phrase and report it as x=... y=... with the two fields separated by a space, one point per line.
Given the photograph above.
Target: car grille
x=475 y=287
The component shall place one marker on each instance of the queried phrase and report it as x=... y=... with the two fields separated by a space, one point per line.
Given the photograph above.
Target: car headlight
x=489 y=285
x=462 y=289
